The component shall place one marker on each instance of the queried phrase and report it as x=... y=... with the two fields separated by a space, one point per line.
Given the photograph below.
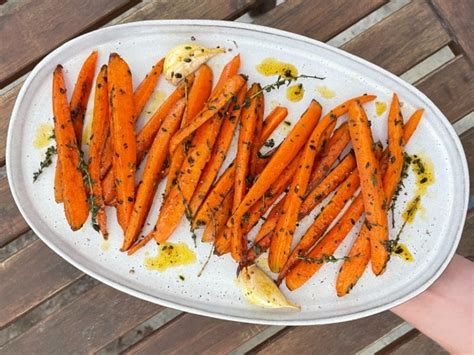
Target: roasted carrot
x=375 y=203
x=219 y=219
x=197 y=97
x=217 y=101
x=219 y=153
x=153 y=167
x=147 y=134
x=286 y=225
x=100 y=125
x=74 y=192
x=106 y=157
x=146 y=87
x=248 y=124
x=123 y=136
x=78 y=105
x=229 y=71
x=314 y=260
x=109 y=190
x=259 y=110
x=270 y=123
x=359 y=254
x=322 y=222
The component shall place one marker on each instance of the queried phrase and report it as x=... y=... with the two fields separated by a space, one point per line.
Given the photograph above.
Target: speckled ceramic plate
x=432 y=238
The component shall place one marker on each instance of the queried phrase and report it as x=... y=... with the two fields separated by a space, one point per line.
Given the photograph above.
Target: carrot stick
x=272 y=121
x=146 y=87
x=229 y=71
x=375 y=203
x=322 y=222
x=219 y=153
x=100 y=125
x=230 y=89
x=106 y=157
x=359 y=255
x=74 y=192
x=147 y=134
x=219 y=219
x=153 y=167
x=197 y=97
x=314 y=260
x=286 y=225
x=123 y=136
x=260 y=99
x=248 y=124
x=109 y=190
x=78 y=105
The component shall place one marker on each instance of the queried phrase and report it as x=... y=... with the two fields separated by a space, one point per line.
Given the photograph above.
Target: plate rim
x=200 y=311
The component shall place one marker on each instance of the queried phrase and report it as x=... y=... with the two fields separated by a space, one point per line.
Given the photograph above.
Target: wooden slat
x=466 y=245
x=94 y=320
x=451 y=87
x=341 y=338
x=319 y=19
x=467 y=140
x=33 y=28
x=413 y=343
x=458 y=20
x=191 y=334
x=7 y=100
x=30 y=277
x=12 y=223
x=401 y=40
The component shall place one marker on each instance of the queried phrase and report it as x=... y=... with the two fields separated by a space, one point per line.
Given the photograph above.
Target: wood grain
x=12 y=223
x=451 y=88
x=191 y=334
x=7 y=100
x=467 y=140
x=458 y=20
x=41 y=26
x=413 y=342
x=401 y=40
x=30 y=277
x=84 y=326
x=318 y=19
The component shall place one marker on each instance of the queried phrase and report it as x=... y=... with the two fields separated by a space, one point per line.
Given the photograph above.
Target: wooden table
x=48 y=306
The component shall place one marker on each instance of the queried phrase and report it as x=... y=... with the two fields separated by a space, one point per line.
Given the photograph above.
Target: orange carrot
x=375 y=203
x=74 y=192
x=109 y=190
x=219 y=153
x=197 y=97
x=219 y=219
x=106 y=157
x=100 y=125
x=248 y=124
x=146 y=87
x=78 y=105
x=154 y=164
x=230 y=89
x=322 y=222
x=359 y=255
x=286 y=225
x=147 y=134
x=270 y=123
x=229 y=71
x=123 y=136
x=258 y=132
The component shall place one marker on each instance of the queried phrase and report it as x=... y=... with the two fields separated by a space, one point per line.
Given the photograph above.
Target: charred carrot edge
x=74 y=192
x=153 y=167
x=375 y=203
x=230 y=89
x=78 y=105
x=219 y=153
x=100 y=125
x=123 y=136
x=106 y=157
x=248 y=124
x=147 y=86
x=359 y=254
x=219 y=219
x=286 y=225
x=197 y=97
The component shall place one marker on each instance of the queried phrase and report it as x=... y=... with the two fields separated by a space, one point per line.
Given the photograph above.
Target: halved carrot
x=153 y=167
x=322 y=222
x=146 y=87
x=375 y=203
x=219 y=153
x=286 y=225
x=106 y=157
x=123 y=136
x=74 y=192
x=359 y=255
x=260 y=99
x=197 y=97
x=270 y=123
x=78 y=105
x=109 y=189
x=147 y=134
x=219 y=219
x=248 y=124
x=229 y=71
x=100 y=125
x=217 y=101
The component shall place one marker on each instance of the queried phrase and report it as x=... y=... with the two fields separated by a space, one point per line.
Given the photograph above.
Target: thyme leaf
x=47 y=161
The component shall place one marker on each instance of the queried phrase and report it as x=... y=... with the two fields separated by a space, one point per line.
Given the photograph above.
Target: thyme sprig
x=91 y=200
x=324 y=259
x=47 y=161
